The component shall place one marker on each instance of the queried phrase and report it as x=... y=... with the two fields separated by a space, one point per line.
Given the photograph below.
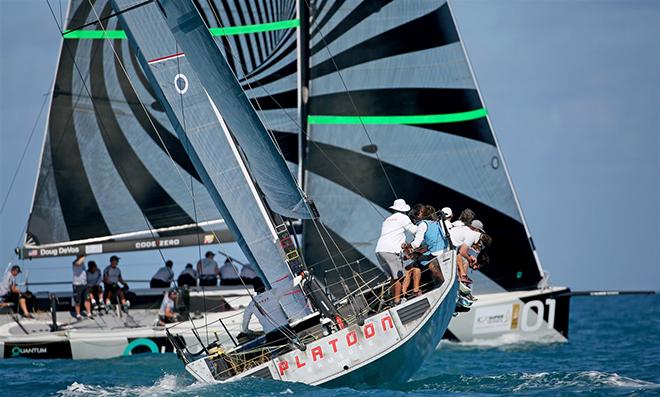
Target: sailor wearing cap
x=10 y=293
x=392 y=237
x=167 y=313
x=111 y=278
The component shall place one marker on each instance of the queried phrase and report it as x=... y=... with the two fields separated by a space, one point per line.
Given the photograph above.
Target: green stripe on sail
x=226 y=31
x=412 y=119
x=95 y=34
x=262 y=27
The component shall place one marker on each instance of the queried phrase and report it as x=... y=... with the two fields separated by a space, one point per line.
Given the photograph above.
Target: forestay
x=411 y=86
x=211 y=147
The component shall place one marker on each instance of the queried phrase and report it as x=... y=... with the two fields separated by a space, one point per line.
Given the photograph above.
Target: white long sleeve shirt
x=419 y=235
x=463 y=235
x=393 y=233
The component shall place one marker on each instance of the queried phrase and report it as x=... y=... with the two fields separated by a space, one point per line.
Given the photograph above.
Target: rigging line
x=350 y=97
x=27 y=144
x=99 y=20
x=102 y=127
x=160 y=138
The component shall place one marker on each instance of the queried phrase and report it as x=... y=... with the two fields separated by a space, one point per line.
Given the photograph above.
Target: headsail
x=264 y=160
x=211 y=147
x=106 y=173
x=412 y=88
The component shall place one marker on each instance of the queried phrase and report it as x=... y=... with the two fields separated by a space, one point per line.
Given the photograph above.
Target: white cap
x=447 y=212
x=400 y=205
x=476 y=224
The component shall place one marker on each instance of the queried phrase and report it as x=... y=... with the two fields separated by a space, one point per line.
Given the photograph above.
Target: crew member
x=229 y=273
x=111 y=279
x=188 y=277
x=94 y=290
x=10 y=293
x=392 y=238
x=167 y=313
x=80 y=287
x=163 y=277
x=208 y=270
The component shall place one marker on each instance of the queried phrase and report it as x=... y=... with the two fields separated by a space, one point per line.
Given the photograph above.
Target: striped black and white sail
x=113 y=174
x=412 y=91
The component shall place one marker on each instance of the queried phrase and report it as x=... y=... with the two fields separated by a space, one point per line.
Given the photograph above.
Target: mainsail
x=411 y=88
x=82 y=201
x=210 y=141
x=110 y=169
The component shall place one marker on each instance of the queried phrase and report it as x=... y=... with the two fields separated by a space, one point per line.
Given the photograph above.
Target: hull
x=368 y=354
x=539 y=315
x=112 y=335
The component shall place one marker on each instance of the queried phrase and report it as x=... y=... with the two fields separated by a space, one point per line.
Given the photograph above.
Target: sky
x=573 y=92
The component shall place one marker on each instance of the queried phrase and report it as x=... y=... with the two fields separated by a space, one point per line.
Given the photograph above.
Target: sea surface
x=614 y=350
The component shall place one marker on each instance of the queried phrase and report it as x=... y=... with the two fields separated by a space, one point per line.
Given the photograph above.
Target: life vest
x=434 y=238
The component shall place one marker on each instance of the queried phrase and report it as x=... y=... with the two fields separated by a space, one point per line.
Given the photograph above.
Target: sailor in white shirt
x=163 y=277
x=167 y=314
x=208 y=270
x=9 y=292
x=188 y=277
x=392 y=237
x=80 y=286
x=229 y=273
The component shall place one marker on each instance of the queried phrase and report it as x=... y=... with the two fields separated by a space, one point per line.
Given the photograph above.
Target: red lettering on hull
x=333 y=343
x=282 y=366
x=369 y=330
x=351 y=338
x=317 y=352
x=299 y=364
x=388 y=320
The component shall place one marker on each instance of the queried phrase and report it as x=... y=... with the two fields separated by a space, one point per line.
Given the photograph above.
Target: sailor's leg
x=23 y=306
x=397 y=292
x=406 y=282
x=416 y=279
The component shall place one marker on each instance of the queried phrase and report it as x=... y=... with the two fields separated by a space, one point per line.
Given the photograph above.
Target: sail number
x=540 y=312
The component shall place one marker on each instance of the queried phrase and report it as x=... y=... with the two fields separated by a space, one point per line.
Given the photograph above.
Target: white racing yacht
x=388 y=106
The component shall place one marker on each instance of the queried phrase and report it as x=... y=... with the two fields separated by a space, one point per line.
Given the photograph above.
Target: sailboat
x=339 y=341
x=125 y=198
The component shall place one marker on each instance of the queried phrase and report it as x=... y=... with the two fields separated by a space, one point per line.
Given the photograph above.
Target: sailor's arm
x=419 y=235
x=463 y=251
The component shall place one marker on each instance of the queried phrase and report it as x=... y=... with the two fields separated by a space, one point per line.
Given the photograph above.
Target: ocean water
x=614 y=350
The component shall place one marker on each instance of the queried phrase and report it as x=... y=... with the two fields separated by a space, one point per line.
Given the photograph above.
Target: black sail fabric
x=411 y=88
x=108 y=166
x=82 y=193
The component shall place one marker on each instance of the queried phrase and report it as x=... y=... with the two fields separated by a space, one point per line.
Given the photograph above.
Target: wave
x=167 y=384
x=536 y=383
x=515 y=340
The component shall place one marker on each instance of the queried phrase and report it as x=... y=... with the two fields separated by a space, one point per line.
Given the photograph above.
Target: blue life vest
x=434 y=239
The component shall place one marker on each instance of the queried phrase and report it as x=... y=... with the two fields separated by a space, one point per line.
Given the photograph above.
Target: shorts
x=11 y=297
x=391 y=263
x=79 y=293
x=208 y=281
x=156 y=283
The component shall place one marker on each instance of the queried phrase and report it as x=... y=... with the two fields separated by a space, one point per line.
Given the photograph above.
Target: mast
x=303 y=86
